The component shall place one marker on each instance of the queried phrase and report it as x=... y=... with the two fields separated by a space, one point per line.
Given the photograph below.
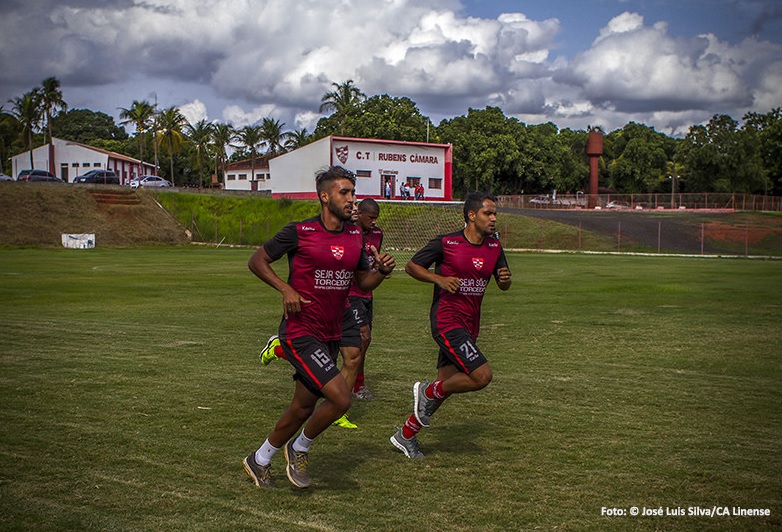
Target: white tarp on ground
x=78 y=241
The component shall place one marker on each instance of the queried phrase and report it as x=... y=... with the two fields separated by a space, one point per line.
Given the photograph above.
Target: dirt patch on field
x=36 y=214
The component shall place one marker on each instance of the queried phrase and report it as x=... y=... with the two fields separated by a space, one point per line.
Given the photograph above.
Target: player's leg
x=360 y=389
x=258 y=463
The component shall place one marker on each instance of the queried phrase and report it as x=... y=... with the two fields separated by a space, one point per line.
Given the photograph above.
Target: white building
x=68 y=159
x=239 y=175
x=375 y=163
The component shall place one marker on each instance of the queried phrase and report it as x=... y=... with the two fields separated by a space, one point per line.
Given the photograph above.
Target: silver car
x=149 y=181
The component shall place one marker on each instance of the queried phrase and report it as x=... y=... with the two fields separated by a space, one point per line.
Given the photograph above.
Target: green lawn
x=131 y=391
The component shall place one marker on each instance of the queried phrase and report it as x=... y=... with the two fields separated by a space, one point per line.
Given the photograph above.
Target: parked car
x=540 y=200
x=106 y=177
x=617 y=205
x=4 y=177
x=38 y=175
x=149 y=181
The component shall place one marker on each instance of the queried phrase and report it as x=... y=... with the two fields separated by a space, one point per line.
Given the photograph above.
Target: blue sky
x=668 y=64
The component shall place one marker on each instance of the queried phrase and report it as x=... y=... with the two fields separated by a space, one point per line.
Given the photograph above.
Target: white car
x=149 y=181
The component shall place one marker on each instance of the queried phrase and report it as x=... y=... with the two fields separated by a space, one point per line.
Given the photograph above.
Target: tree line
x=491 y=151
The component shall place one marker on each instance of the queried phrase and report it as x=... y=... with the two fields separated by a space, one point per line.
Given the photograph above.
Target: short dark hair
x=369 y=205
x=474 y=202
x=330 y=174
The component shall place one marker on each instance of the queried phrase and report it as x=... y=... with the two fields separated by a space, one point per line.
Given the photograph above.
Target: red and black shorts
x=358 y=314
x=315 y=361
x=458 y=348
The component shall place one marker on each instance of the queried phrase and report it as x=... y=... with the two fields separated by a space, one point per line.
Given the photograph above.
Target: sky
x=669 y=64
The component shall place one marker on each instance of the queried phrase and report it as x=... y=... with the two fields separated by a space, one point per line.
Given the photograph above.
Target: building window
x=268 y=176
x=363 y=173
x=96 y=165
x=231 y=177
x=75 y=165
x=85 y=165
x=243 y=176
x=435 y=183
x=414 y=181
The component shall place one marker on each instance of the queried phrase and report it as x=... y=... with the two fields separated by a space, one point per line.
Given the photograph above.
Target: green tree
x=27 y=111
x=140 y=114
x=252 y=139
x=222 y=137
x=273 y=136
x=764 y=132
x=722 y=158
x=85 y=126
x=345 y=97
x=486 y=151
x=51 y=101
x=171 y=124
x=200 y=137
x=379 y=117
x=640 y=158
x=296 y=139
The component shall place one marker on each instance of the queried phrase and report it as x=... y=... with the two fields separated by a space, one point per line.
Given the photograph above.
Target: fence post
x=659 y=232
x=240 y=231
x=703 y=235
x=619 y=237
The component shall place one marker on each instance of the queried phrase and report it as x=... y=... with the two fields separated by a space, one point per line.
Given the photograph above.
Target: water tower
x=594 y=149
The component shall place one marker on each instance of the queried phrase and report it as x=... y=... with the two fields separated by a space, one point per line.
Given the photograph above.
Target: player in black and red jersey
x=464 y=263
x=324 y=255
x=357 y=322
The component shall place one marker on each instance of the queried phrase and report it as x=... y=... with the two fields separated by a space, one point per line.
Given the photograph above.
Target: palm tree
x=344 y=97
x=222 y=137
x=50 y=100
x=27 y=111
x=252 y=138
x=296 y=139
x=140 y=114
x=200 y=136
x=171 y=124
x=273 y=137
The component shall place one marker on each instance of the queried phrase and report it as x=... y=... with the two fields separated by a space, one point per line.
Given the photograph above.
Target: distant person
x=324 y=255
x=407 y=191
x=388 y=190
x=464 y=263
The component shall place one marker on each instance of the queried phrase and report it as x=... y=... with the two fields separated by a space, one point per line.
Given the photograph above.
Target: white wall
x=293 y=173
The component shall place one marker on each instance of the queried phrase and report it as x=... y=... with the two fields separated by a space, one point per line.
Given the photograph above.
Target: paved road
x=679 y=232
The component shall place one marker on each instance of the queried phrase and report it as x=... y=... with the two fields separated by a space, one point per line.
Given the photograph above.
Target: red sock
x=278 y=352
x=411 y=427
x=435 y=391
x=359 y=382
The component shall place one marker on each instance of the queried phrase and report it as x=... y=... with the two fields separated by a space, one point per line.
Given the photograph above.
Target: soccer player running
x=324 y=255
x=357 y=322
x=464 y=264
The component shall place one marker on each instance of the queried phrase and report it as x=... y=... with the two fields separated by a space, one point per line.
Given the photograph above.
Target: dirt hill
x=36 y=214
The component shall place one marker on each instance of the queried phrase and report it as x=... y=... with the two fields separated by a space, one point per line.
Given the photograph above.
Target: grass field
x=131 y=391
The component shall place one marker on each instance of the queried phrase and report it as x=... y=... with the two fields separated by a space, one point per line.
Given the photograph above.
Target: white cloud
x=194 y=111
x=245 y=60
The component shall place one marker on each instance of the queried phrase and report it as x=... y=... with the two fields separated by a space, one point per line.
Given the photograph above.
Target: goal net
x=408 y=226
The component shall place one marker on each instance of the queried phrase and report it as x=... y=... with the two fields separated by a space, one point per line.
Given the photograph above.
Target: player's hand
x=384 y=262
x=292 y=302
x=449 y=284
x=503 y=274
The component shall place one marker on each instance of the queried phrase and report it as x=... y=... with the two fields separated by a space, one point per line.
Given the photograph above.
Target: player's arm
x=419 y=273
x=368 y=280
x=260 y=265
x=502 y=273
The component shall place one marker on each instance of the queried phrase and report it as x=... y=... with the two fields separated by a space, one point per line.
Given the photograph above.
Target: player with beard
x=324 y=255
x=464 y=263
